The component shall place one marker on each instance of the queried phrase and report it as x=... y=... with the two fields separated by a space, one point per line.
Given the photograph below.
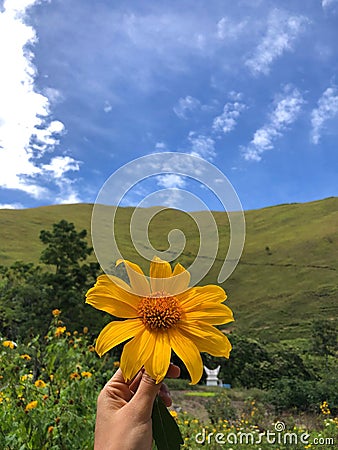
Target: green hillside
x=286 y=278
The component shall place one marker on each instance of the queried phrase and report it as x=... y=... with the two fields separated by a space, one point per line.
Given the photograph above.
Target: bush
x=48 y=390
x=220 y=407
x=303 y=395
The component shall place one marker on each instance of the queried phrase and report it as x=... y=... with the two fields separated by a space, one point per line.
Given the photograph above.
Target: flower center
x=159 y=310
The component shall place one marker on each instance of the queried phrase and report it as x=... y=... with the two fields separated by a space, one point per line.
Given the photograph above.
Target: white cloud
x=227 y=121
x=202 y=146
x=11 y=206
x=327 y=109
x=107 y=107
x=61 y=164
x=286 y=111
x=328 y=3
x=170 y=180
x=281 y=33
x=229 y=30
x=160 y=146
x=27 y=132
x=185 y=106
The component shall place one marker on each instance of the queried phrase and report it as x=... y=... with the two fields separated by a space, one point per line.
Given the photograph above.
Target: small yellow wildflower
x=26 y=377
x=116 y=364
x=51 y=377
x=74 y=376
x=59 y=331
x=86 y=374
x=50 y=429
x=9 y=344
x=56 y=312
x=85 y=330
x=26 y=357
x=324 y=407
x=40 y=384
x=76 y=333
x=91 y=348
x=174 y=414
x=31 y=405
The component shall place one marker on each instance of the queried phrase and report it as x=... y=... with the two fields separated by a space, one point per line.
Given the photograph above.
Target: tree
x=28 y=293
x=324 y=338
x=23 y=301
x=70 y=276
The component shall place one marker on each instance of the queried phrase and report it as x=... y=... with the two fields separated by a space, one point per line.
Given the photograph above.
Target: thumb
x=145 y=395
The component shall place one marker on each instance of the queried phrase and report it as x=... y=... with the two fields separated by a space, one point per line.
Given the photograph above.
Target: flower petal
x=108 y=296
x=116 y=332
x=159 y=271
x=179 y=282
x=197 y=296
x=215 y=314
x=207 y=338
x=187 y=351
x=138 y=282
x=158 y=363
x=135 y=353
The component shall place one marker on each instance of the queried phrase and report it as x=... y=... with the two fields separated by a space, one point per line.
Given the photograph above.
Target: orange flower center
x=159 y=311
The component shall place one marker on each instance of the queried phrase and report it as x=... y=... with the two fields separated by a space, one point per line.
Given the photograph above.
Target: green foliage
x=24 y=305
x=27 y=291
x=253 y=365
x=220 y=406
x=324 y=337
x=303 y=395
x=178 y=384
x=242 y=433
x=48 y=391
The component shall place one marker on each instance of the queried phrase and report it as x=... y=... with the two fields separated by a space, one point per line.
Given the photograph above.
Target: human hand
x=123 y=419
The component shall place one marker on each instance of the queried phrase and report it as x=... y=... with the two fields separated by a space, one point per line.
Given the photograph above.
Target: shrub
x=219 y=407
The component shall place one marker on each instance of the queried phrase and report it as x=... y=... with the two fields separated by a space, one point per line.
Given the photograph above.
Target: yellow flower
x=50 y=429
x=86 y=374
x=40 y=384
x=9 y=344
x=173 y=413
x=26 y=377
x=325 y=408
x=31 y=405
x=59 y=331
x=85 y=330
x=56 y=312
x=74 y=376
x=162 y=314
x=116 y=363
x=26 y=357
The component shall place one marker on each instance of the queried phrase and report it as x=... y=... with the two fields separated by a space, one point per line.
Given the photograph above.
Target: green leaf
x=166 y=433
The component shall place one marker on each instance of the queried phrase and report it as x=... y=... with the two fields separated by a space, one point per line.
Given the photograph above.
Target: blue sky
x=86 y=87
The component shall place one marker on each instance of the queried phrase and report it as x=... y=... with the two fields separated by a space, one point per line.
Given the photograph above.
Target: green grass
x=200 y=394
x=287 y=276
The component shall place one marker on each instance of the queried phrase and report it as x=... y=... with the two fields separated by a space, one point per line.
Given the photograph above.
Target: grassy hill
x=287 y=275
